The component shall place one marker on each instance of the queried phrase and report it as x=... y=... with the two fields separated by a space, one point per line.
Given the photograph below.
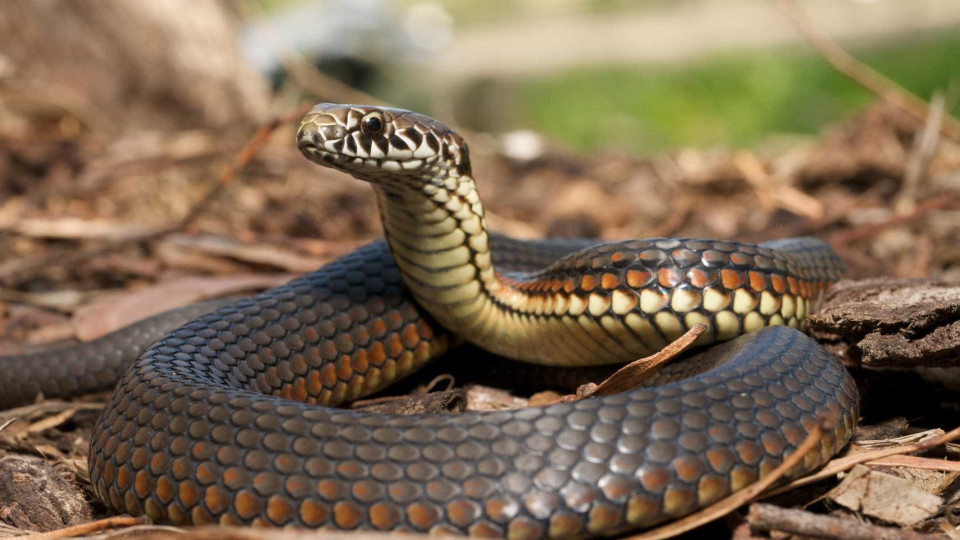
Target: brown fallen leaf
x=51 y=421
x=884 y=496
x=114 y=311
x=263 y=254
x=633 y=374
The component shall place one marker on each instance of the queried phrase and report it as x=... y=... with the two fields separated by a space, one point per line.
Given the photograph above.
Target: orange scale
x=610 y=281
x=300 y=389
x=669 y=277
x=699 y=277
x=313 y=513
x=794 y=285
x=588 y=282
x=779 y=284
x=313 y=382
x=758 y=281
x=329 y=375
x=732 y=279
x=410 y=336
x=638 y=278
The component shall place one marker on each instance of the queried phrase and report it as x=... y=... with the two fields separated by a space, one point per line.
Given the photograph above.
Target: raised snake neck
x=611 y=303
x=219 y=421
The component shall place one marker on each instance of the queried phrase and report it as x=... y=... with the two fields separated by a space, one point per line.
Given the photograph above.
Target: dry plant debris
x=885 y=496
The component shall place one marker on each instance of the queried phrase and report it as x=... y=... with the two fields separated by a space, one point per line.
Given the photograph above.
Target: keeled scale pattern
x=189 y=436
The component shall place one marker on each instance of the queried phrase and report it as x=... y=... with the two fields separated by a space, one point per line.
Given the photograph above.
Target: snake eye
x=372 y=124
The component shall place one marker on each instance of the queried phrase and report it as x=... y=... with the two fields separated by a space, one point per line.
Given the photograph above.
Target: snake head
x=381 y=144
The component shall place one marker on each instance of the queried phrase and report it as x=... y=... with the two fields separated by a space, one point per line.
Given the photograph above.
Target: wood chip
x=486 y=398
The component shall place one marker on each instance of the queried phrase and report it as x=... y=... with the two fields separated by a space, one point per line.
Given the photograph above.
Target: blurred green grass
x=733 y=99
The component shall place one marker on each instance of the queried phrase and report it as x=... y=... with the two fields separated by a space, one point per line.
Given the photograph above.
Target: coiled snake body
x=227 y=420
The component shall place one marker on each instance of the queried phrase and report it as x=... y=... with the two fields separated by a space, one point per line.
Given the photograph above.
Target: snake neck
x=438 y=236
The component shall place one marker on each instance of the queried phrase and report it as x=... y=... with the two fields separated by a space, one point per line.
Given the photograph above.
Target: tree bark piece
x=888 y=322
x=35 y=496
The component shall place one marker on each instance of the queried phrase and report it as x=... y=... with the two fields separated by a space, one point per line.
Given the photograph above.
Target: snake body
x=227 y=418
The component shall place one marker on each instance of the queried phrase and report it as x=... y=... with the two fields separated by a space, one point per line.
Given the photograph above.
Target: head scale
x=381 y=144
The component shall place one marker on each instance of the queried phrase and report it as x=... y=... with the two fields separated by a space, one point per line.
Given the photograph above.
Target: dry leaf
x=885 y=497
x=115 y=311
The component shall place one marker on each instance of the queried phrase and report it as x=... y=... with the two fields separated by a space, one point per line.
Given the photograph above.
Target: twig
x=842 y=238
x=915 y=462
x=87 y=528
x=773 y=195
x=27 y=412
x=863 y=74
x=738 y=499
x=769 y=518
x=918 y=162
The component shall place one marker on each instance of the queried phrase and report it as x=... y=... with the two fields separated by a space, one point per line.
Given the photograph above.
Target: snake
x=225 y=412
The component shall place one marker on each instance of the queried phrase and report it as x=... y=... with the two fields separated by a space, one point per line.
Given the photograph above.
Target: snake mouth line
x=323 y=156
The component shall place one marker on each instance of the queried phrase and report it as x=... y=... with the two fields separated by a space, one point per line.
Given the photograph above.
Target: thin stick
x=87 y=528
x=863 y=74
x=918 y=162
x=922 y=209
x=914 y=462
x=738 y=499
x=769 y=518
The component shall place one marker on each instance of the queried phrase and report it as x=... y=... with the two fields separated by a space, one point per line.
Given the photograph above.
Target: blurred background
x=130 y=155
x=643 y=76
